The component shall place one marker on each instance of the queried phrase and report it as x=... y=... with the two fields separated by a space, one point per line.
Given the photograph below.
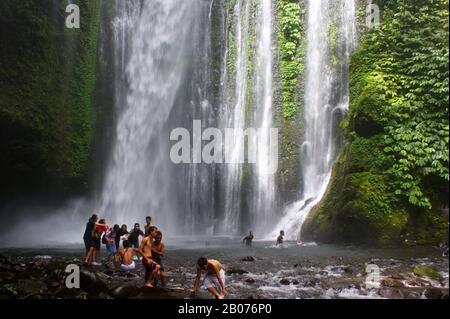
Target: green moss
x=292 y=46
x=389 y=184
x=46 y=94
x=424 y=271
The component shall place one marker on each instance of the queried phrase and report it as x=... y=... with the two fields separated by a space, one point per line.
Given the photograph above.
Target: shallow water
x=289 y=271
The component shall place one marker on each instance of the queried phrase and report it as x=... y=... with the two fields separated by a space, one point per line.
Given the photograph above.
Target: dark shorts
x=149 y=267
x=135 y=244
x=158 y=260
x=97 y=243
x=88 y=243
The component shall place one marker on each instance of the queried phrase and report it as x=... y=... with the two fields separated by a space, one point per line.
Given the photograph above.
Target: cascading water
x=139 y=178
x=249 y=192
x=264 y=200
x=234 y=117
x=322 y=108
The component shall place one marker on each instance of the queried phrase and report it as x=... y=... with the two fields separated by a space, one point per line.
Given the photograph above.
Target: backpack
x=104 y=240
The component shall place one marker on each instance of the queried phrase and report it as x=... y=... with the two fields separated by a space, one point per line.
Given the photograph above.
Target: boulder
x=248 y=259
x=392 y=283
x=250 y=281
x=392 y=293
x=92 y=282
x=434 y=293
x=32 y=286
x=236 y=271
x=285 y=282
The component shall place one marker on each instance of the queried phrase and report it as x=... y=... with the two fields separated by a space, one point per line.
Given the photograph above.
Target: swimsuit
x=149 y=267
x=132 y=266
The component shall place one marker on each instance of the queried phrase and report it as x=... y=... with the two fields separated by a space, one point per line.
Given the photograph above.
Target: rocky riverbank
x=269 y=273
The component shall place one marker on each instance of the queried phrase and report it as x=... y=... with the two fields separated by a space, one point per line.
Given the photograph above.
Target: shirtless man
x=151 y=267
x=158 y=253
x=214 y=280
x=126 y=256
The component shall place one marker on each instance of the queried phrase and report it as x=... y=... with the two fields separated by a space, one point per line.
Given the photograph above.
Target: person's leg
x=214 y=292
x=89 y=256
x=148 y=270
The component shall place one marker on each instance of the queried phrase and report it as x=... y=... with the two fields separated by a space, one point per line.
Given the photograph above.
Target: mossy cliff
x=390 y=184
x=47 y=85
x=289 y=93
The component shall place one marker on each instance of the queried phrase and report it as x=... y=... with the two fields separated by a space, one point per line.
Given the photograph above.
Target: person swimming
x=248 y=239
x=280 y=239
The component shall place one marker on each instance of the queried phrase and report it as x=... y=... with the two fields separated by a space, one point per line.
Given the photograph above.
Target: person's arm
x=140 y=252
x=197 y=281
x=159 y=251
x=141 y=248
x=217 y=272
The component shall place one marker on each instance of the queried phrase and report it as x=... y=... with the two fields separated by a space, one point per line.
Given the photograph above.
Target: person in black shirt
x=248 y=240
x=88 y=238
x=121 y=232
x=133 y=236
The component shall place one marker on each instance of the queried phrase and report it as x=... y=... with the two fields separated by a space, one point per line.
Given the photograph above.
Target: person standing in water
x=214 y=280
x=151 y=267
x=148 y=224
x=88 y=237
x=280 y=239
x=133 y=236
x=157 y=254
x=110 y=238
x=248 y=240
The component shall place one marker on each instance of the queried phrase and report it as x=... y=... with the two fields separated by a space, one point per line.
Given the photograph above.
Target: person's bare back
x=214 y=266
x=127 y=256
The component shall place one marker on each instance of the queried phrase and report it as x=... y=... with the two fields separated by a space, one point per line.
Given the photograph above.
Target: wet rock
x=109 y=272
x=285 y=282
x=123 y=292
x=296 y=282
x=392 y=283
x=311 y=283
x=236 y=271
x=398 y=277
x=31 y=286
x=250 y=281
x=434 y=293
x=92 y=282
x=158 y=293
x=248 y=259
x=392 y=293
x=418 y=282
x=54 y=285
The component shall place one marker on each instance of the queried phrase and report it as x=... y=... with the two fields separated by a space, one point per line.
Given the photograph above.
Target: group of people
x=150 y=250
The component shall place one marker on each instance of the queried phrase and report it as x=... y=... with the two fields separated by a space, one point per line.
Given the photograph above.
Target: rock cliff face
x=47 y=85
x=390 y=185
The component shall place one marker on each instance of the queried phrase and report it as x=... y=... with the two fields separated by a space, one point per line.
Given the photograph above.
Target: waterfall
x=140 y=179
x=235 y=117
x=263 y=207
x=249 y=193
x=323 y=108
